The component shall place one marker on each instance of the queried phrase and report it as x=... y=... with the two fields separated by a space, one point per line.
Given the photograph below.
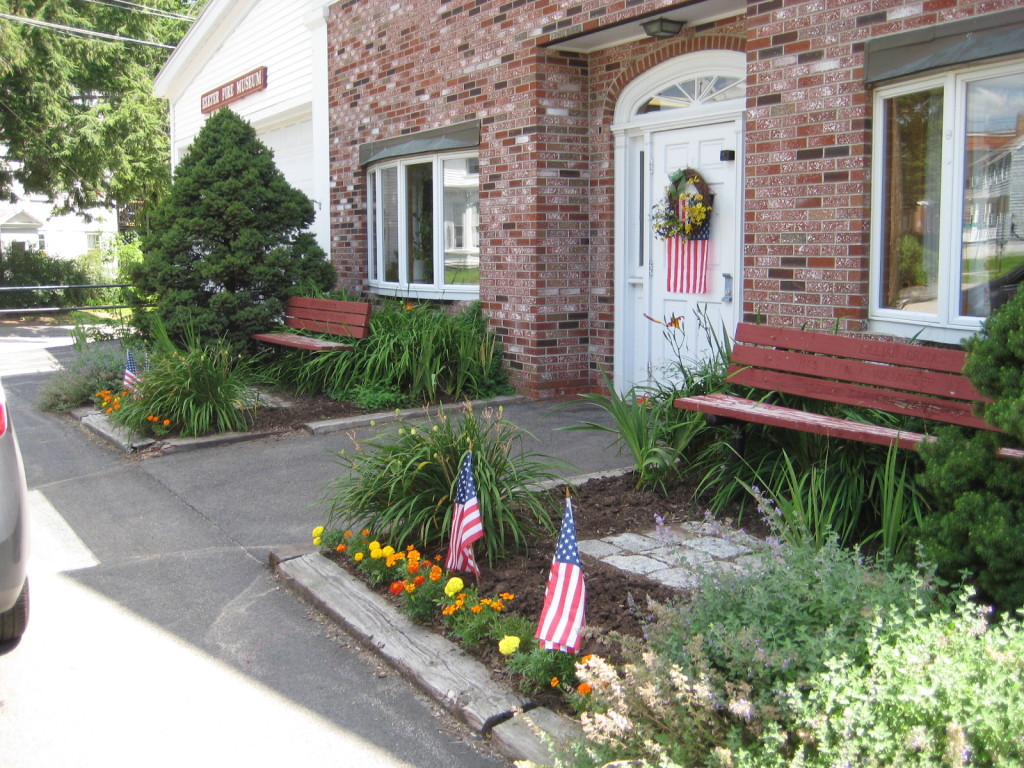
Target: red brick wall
x=546 y=156
x=808 y=148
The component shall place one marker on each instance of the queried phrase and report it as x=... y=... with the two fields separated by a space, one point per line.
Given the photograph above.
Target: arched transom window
x=694 y=91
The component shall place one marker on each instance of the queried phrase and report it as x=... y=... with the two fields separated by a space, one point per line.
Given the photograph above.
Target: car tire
x=14 y=621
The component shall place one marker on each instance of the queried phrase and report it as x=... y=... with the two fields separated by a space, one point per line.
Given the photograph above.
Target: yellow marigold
x=318 y=531
x=509 y=644
x=410 y=587
x=454 y=586
x=388 y=551
x=316 y=541
x=357 y=556
x=374 y=544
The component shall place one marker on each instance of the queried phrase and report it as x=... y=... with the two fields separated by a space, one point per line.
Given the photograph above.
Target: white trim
x=404 y=287
x=320 y=117
x=628 y=129
x=695 y=64
x=945 y=324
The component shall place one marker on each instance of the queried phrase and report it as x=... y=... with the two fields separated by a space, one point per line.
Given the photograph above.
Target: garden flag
x=467 y=525
x=688 y=258
x=131 y=373
x=562 y=616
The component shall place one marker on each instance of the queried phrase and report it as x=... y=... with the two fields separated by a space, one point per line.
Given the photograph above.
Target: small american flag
x=131 y=373
x=688 y=259
x=566 y=593
x=467 y=525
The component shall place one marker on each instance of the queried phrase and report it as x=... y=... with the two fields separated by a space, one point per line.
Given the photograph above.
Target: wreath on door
x=683 y=220
x=685 y=209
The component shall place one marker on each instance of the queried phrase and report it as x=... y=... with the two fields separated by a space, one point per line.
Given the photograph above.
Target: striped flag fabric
x=131 y=373
x=565 y=597
x=688 y=258
x=467 y=525
x=687 y=265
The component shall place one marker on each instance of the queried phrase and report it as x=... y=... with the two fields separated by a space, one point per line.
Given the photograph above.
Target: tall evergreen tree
x=228 y=244
x=78 y=118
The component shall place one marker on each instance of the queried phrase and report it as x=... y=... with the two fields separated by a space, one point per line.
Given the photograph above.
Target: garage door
x=292 y=145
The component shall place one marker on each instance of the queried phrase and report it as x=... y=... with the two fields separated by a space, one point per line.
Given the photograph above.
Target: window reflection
x=993 y=247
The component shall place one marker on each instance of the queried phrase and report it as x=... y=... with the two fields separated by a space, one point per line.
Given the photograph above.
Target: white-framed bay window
x=424 y=226
x=947 y=225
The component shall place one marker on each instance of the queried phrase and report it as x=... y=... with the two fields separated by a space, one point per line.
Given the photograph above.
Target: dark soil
x=303 y=410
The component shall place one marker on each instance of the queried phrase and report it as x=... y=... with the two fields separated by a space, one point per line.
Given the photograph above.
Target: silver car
x=13 y=531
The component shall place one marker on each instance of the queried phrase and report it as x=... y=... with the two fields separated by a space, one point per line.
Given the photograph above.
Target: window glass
x=693 y=91
x=913 y=154
x=992 y=252
x=419 y=225
x=461 y=221
x=371 y=222
x=388 y=213
x=949 y=198
x=424 y=221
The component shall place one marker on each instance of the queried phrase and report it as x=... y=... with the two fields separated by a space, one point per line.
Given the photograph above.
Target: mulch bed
x=616 y=601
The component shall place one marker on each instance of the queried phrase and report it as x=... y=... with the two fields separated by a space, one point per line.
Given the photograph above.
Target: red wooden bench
x=346 y=319
x=896 y=377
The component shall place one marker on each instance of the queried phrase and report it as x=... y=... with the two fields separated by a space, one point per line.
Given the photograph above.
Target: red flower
x=419 y=580
x=397 y=587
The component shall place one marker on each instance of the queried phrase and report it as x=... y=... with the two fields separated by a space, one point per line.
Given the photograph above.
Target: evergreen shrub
x=228 y=245
x=978 y=517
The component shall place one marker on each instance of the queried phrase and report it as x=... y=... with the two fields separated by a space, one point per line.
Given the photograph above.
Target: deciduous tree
x=78 y=119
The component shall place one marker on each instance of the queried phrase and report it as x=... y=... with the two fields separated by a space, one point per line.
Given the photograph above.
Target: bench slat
x=731 y=406
x=340 y=318
x=892 y=352
x=927 y=382
x=301 y=342
x=345 y=319
x=921 y=406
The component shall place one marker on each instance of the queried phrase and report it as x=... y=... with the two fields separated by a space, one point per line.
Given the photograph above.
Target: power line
x=137 y=8
x=83 y=32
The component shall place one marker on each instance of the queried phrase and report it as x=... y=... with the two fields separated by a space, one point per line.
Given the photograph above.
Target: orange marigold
x=583 y=689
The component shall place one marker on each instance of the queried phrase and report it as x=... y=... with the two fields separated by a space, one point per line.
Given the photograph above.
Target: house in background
x=862 y=160
x=30 y=222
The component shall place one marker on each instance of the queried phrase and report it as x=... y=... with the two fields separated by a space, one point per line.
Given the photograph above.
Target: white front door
x=651 y=351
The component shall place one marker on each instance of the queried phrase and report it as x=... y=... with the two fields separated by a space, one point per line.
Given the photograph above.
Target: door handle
x=727 y=288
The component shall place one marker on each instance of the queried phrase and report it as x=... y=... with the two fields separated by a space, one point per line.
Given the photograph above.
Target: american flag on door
x=688 y=258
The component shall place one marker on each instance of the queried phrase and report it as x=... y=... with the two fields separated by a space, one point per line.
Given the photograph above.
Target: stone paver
x=677 y=555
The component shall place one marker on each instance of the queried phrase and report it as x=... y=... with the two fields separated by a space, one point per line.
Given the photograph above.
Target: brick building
x=865 y=160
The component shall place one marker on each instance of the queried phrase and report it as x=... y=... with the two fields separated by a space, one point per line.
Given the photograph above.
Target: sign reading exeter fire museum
x=236 y=89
